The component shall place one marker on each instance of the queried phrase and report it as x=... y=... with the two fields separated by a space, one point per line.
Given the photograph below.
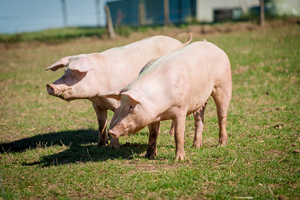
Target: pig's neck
x=105 y=103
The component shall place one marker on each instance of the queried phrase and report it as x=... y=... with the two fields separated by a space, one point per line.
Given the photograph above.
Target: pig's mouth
x=60 y=94
x=116 y=133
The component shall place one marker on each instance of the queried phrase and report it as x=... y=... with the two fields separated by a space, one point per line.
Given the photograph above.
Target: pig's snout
x=51 y=90
x=114 y=133
x=54 y=90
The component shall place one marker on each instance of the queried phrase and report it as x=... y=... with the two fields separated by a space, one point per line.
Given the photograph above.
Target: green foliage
x=123 y=31
x=53 y=35
x=183 y=26
x=127 y=30
x=48 y=146
x=5 y=38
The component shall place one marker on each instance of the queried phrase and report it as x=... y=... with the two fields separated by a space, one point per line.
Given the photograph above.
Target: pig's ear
x=59 y=64
x=114 y=94
x=83 y=64
x=148 y=65
x=134 y=94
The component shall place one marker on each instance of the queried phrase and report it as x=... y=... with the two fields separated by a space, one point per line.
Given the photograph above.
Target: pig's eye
x=130 y=108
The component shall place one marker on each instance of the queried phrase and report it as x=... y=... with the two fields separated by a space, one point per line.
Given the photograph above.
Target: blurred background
x=35 y=15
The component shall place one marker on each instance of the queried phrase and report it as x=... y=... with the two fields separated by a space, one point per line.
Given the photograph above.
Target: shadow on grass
x=81 y=146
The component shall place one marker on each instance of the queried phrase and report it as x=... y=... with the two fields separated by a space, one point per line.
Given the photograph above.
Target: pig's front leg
x=154 y=130
x=179 y=125
x=114 y=142
x=102 y=123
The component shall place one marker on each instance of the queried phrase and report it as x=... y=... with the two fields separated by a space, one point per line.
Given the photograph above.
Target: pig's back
x=207 y=65
x=124 y=63
x=137 y=54
x=190 y=73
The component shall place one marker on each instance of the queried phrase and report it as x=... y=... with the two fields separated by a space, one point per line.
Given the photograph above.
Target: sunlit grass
x=48 y=146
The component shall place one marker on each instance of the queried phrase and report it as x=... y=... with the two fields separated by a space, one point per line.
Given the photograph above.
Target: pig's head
x=76 y=81
x=131 y=117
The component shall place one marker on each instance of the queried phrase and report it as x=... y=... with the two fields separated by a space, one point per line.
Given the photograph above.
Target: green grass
x=48 y=146
x=53 y=35
x=57 y=35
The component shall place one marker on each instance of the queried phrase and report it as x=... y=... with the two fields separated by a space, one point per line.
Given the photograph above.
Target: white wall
x=205 y=8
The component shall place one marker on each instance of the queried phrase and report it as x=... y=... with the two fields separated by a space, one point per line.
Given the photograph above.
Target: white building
x=205 y=8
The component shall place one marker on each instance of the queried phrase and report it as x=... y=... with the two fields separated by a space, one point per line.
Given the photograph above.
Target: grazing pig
x=89 y=76
x=173 y=87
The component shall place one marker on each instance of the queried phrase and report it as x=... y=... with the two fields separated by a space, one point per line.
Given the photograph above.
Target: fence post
x=166 y=12
x=142 y=12
x=262 y=13
x=110 y=27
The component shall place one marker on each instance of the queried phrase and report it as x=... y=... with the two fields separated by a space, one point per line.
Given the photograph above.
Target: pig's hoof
x=197 y=145
x=114 y=143
x=222 y=143
x=114 y=146
x=149 y=156
x=151 y=153
x=180 y=156
x=102 y=143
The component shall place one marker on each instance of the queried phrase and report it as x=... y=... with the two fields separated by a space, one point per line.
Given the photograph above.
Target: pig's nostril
x=113 y=134
x=50 y=89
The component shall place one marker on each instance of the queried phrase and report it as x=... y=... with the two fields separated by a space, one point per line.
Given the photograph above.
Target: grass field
x=48 y=146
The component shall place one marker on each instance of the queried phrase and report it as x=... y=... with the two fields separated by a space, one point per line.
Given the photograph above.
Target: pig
x=171 y=88
x=89 y=76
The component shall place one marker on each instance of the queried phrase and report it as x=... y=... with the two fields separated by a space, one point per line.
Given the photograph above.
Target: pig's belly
x=199 y=99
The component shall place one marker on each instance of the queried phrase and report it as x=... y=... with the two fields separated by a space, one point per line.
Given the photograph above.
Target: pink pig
x=89 y=76
x=173 y=87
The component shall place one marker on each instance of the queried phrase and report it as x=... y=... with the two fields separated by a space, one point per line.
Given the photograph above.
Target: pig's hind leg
x=222 y=96
x=102 y=123
x=154 y=130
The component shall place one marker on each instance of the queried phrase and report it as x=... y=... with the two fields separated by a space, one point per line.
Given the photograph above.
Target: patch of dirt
x=240 y=69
